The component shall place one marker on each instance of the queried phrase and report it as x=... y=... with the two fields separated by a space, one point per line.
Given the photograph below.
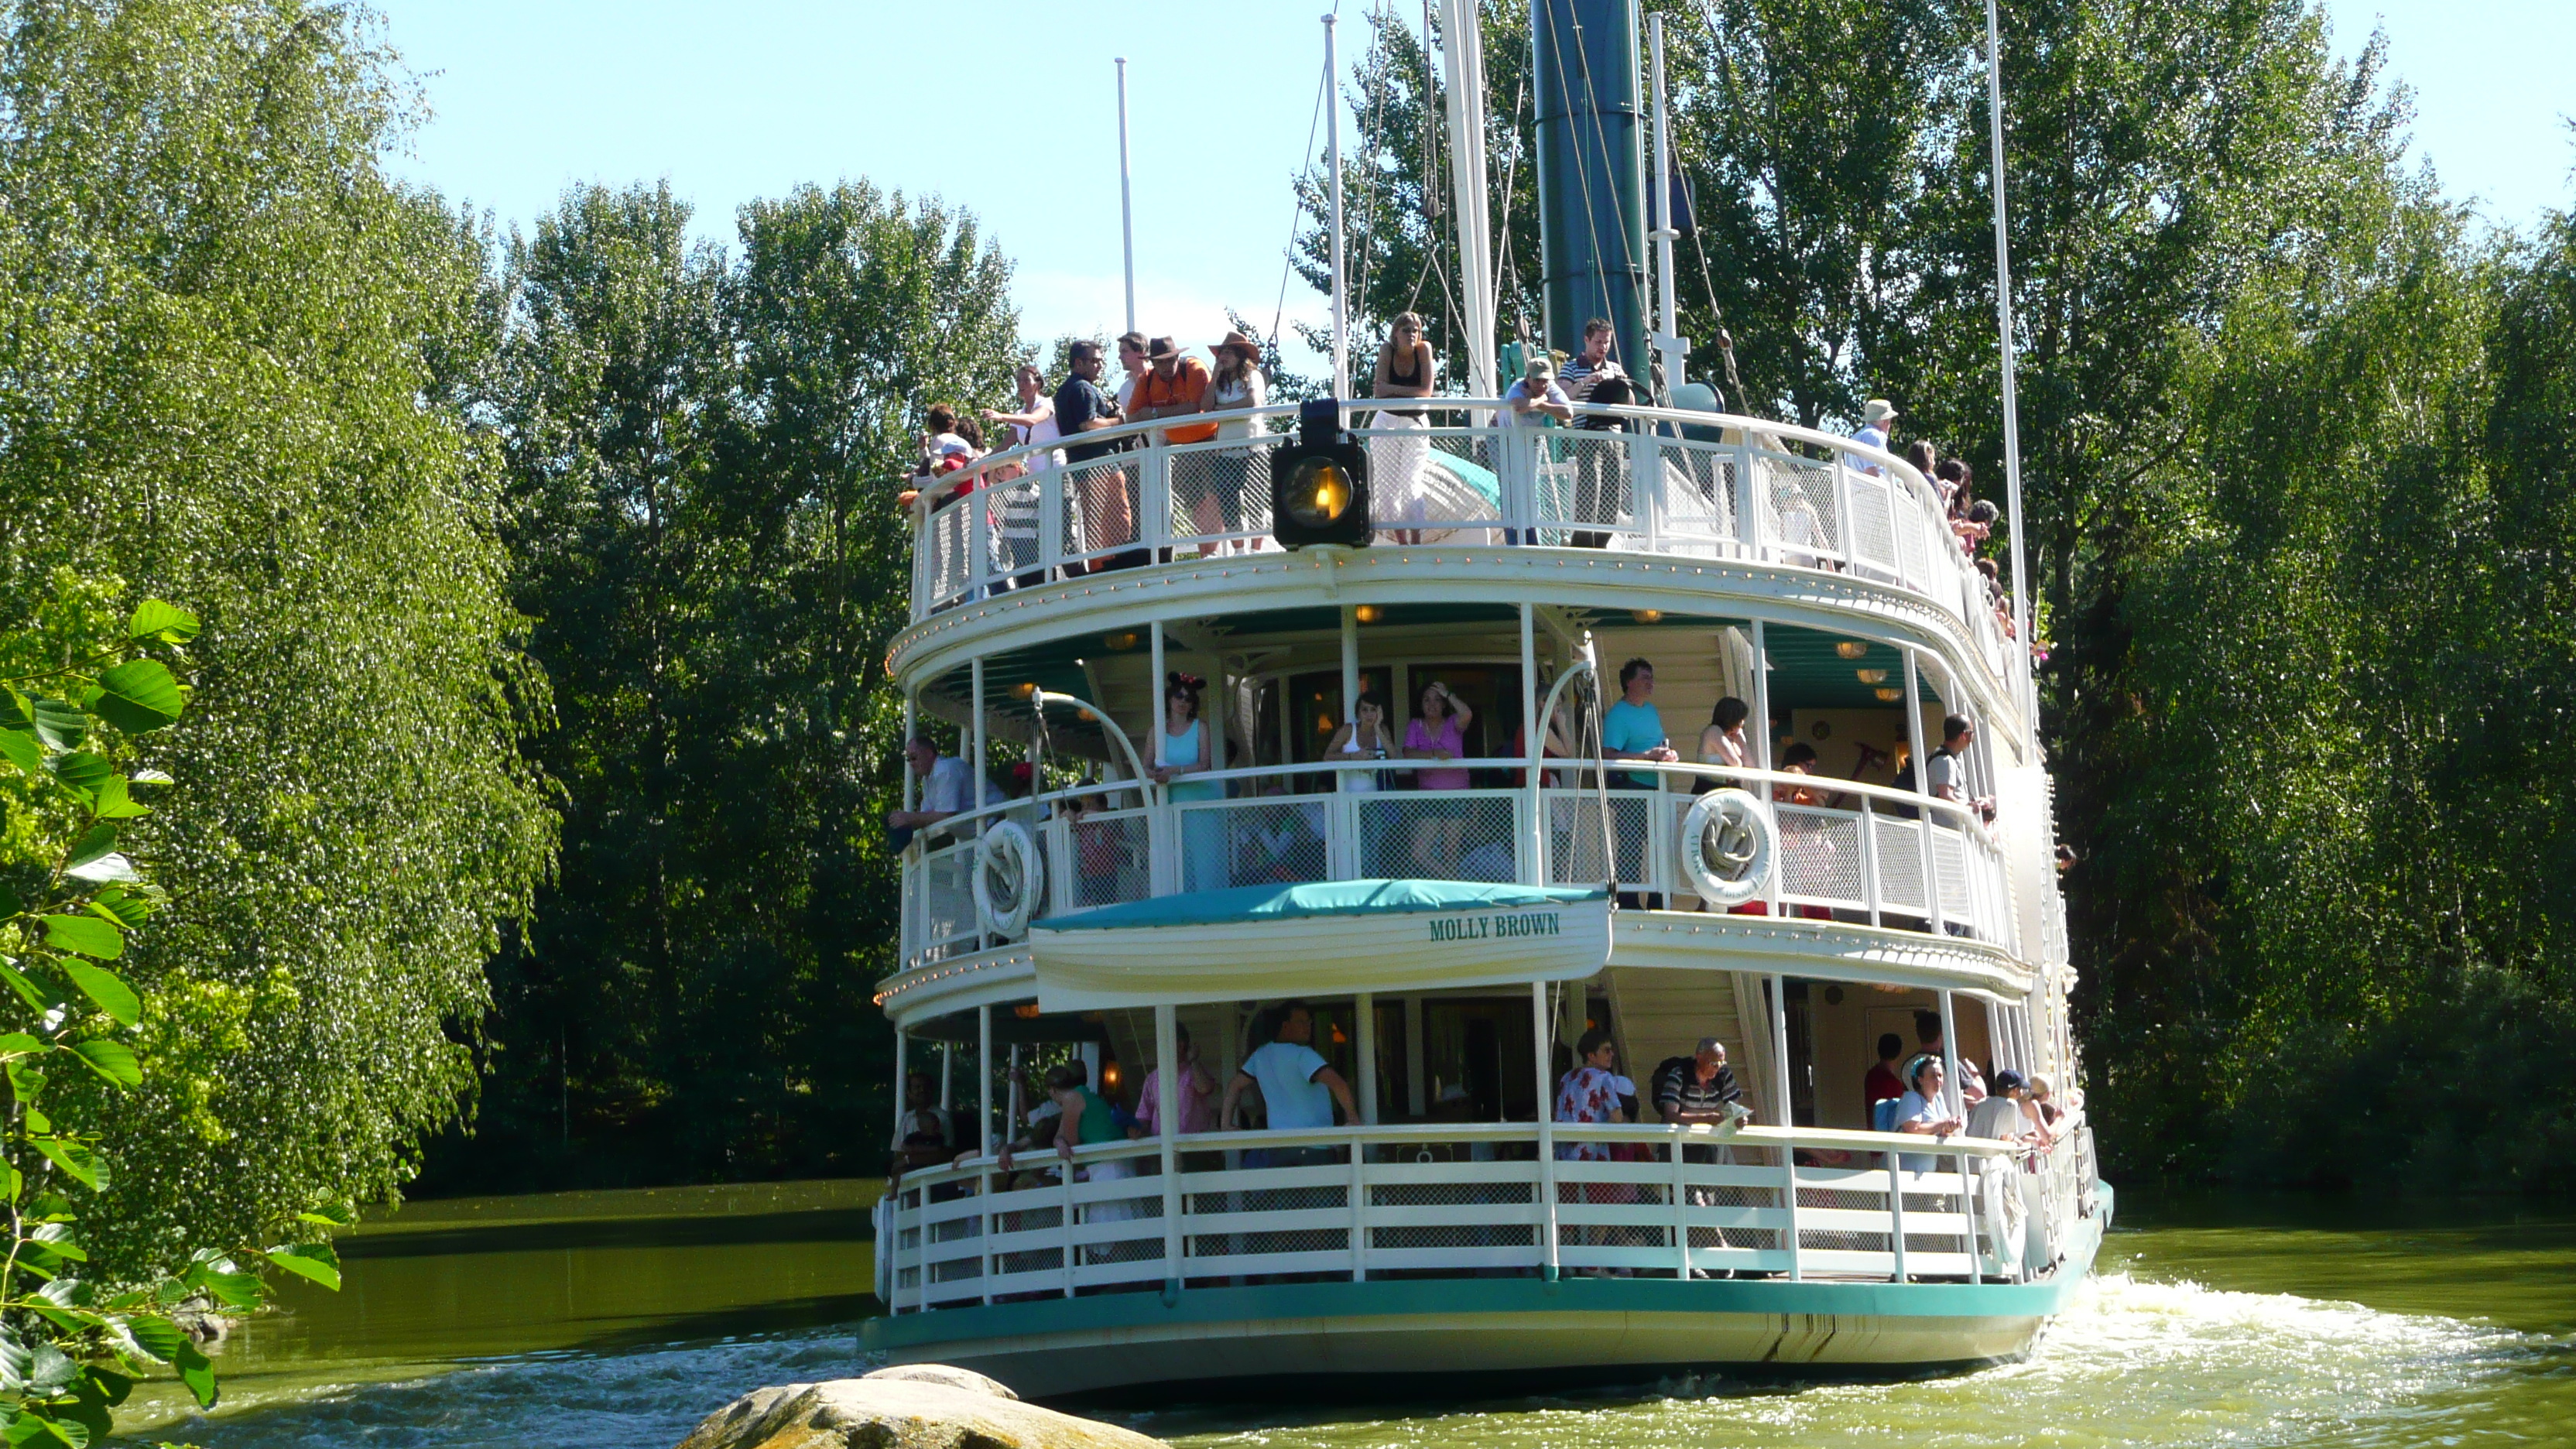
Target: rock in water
x=913 y=1406
x=940 y=1373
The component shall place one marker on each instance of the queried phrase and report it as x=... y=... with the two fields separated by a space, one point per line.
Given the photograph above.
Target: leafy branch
x=71 y=1350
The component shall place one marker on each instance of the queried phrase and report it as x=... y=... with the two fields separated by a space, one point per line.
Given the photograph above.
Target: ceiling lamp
x=1023 y=691
x=1088 y=717
x=1888 y=695
x=1120 y=641
x=1851 y=648
x=1871 y=676
x=1647 y=616
x=1368 y=613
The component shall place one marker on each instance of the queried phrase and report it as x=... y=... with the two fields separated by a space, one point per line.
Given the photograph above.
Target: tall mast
x=1126 y=203
x=2012 y=400
x=1462 y=49
x=1333 y=137
x=1668 y=341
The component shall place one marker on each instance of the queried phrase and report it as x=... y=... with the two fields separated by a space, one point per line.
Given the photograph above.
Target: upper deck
x=1655 y=493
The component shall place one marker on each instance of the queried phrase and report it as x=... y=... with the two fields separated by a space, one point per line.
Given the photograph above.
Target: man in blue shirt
x=1632 y=730
x=1298 y=1087
x=1080 y=405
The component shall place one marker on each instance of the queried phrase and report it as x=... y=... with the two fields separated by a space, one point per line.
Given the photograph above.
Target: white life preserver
x=1726 y=846
x=1006 y=879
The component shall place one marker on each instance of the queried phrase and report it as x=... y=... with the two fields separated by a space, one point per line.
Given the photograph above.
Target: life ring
x=1726 y=847
x=1006 y=879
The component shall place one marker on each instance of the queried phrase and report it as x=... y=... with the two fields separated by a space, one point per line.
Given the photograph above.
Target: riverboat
x=1453 y=944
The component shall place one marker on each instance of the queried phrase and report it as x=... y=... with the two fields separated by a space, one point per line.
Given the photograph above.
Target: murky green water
x=618 y=1319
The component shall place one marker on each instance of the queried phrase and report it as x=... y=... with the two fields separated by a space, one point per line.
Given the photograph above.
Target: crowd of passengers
x=1160 y=379
x=1435 y=841
x=1286 y=1085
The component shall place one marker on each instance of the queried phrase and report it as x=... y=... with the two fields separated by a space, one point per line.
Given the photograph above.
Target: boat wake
x=2133 y=1362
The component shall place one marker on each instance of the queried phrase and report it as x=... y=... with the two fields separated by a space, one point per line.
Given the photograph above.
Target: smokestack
x=1591 y=173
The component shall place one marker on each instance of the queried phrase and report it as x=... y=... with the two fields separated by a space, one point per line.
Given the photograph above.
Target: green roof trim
x=1321 y=898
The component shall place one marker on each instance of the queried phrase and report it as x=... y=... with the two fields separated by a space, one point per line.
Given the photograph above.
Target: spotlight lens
x=1321 y=491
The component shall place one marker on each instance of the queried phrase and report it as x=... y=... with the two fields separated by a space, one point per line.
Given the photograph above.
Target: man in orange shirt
x=1174 y=385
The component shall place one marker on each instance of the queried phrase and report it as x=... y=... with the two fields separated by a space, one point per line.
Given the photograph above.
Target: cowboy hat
x=1251 y=349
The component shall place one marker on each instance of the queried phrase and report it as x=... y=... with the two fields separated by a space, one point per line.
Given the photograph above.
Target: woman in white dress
x=1405 y=369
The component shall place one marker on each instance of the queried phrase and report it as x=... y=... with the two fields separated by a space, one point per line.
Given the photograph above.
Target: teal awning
x=1257 y=943
x=1323 y=898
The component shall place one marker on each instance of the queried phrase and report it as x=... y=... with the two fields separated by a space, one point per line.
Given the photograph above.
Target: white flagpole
x=1341 y=295
x=1462 y=49
x=1668 y=341
x=2012 y=401
x=1333 y=135
x=1126 y=202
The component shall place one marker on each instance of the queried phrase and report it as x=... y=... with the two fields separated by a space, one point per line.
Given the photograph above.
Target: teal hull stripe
x=1480 y=1296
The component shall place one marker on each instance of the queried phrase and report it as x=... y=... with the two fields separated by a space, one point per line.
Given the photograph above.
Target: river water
x=618 y=1319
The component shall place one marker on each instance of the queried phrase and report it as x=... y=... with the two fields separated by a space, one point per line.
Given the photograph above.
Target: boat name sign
x=1499 y=926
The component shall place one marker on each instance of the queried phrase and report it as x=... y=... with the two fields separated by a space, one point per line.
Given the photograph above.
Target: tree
x=704 y=450
x=225 y=324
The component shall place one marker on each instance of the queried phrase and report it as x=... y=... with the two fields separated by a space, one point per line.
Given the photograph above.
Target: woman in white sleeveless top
x=1363 y=737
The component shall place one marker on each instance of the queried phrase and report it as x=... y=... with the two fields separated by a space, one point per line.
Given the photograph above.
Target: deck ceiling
x=1807 y=672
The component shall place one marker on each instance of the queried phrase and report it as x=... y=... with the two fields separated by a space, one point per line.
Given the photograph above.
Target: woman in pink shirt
x=1438 y=731
x=1195 y=1094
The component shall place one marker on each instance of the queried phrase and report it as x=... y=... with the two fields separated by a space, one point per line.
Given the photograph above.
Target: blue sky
x=1006 y=107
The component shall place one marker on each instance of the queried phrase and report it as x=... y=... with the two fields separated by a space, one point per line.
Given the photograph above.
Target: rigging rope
x=1297 y=208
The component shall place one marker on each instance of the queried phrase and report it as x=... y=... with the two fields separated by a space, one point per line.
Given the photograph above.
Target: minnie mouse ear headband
x=1177 y=680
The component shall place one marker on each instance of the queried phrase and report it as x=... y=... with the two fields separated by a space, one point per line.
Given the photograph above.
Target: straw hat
x=1877 y=410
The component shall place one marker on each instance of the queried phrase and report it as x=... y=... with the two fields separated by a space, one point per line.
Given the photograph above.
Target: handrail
x=1962 y=814
x=1403 y=1133
x=1967 y=886
x=949 y=483
x=1898 y=533
x=1836 y=784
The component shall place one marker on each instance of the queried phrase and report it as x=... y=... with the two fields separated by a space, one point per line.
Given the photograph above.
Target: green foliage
x=225 y=377
x=2296 y=495
x=74 y=1335
x=703 y=457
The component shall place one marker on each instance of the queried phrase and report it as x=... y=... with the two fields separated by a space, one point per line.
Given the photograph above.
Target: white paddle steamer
x=1455 y=943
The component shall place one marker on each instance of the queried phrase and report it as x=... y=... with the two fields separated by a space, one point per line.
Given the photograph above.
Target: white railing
x=1861 y=858
x=1662 y=482
x=1475 y=1199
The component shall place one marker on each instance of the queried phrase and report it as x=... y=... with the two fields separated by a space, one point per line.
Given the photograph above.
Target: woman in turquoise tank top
x=1180 y=749
x=1088 y=1119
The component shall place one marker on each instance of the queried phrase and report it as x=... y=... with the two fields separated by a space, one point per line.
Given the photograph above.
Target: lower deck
x=1532 y=1329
